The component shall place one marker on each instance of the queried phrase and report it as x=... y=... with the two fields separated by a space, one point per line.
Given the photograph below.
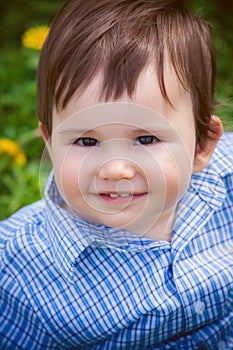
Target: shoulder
x=21 y=243
x=28 y=215
x=222 y=159
x=21 y=230
x=226 y=141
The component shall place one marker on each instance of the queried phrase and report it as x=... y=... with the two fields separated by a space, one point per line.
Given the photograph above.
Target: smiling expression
x=125 y=163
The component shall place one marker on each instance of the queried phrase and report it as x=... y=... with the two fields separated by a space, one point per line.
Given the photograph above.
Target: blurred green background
x=20 y=144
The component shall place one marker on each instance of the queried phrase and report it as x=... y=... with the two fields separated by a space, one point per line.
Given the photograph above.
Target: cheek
x=173 y=183
x=67 y=170
x=175 y=167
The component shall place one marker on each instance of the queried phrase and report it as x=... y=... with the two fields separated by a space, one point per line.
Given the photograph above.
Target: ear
x=203 y=155
x=45 y=135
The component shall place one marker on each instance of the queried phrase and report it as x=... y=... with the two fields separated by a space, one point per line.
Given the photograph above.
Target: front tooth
x=115 y=195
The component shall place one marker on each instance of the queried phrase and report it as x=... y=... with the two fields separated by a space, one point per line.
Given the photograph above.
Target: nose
x=117 y=169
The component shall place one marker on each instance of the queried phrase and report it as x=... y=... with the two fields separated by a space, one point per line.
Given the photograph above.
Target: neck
x=161 y=229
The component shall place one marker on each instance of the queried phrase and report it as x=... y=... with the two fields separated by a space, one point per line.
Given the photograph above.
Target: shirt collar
x=202 y=199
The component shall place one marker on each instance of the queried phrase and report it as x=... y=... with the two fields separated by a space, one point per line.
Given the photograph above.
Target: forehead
x=146 y=101
x=112 y=117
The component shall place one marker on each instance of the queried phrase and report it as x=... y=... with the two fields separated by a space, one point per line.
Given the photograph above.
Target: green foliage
x=219 y=14
x=19 y=15
x=19 y=185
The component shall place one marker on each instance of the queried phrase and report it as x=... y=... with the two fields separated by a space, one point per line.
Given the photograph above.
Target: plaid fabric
x=67 y=284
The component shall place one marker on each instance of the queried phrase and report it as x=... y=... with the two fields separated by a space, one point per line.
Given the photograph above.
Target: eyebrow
x=77 y=131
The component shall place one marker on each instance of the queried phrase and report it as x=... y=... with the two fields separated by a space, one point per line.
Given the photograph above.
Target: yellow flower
x=34 y=38
x=11 y=148
x=20 y=159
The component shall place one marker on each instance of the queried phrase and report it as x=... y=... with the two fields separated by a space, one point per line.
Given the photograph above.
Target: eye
x=146 y=140
x=86 y=142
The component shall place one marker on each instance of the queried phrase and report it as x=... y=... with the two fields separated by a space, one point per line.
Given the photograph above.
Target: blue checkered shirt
x=67 y=284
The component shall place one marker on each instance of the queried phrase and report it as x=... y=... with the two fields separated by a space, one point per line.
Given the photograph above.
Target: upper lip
x=121 y=193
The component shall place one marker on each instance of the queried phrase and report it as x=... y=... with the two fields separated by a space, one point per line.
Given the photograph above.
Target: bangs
x=118 y=39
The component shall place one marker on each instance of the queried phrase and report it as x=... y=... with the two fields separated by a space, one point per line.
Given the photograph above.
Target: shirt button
x=199 y=307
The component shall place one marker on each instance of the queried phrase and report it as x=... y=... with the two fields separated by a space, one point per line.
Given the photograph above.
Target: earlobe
x=204 y=153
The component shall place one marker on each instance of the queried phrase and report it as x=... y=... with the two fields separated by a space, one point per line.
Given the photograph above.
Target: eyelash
x=91 y=142
x=145 y=138
x=86 y=142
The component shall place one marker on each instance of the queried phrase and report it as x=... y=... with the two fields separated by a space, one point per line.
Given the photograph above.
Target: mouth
x=120 y=198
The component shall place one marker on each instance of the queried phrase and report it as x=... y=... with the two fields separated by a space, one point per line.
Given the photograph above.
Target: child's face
x=126 y=163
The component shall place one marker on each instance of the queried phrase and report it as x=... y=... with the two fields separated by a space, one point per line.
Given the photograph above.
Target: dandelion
x=12 y=149
x=8 y=146
x=20 y=159
x=34 y=38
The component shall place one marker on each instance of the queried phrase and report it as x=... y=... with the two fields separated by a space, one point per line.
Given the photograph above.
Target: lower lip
x=121 y=200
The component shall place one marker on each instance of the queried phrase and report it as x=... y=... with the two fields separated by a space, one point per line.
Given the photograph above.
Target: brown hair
x=118 y=38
